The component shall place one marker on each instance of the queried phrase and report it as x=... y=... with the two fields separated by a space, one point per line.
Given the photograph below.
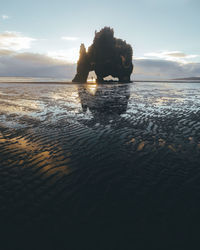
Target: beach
x=115 y=166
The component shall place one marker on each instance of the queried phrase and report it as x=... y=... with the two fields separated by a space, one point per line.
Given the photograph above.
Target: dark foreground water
x=99 y=167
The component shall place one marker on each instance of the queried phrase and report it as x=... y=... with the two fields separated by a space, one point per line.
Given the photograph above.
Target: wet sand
x=99 y=166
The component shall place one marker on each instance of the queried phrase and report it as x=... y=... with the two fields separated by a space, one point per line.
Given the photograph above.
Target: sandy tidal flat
x=99 y=166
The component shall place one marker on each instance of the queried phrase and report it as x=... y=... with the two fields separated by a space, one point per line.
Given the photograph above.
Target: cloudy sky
x=41 y=38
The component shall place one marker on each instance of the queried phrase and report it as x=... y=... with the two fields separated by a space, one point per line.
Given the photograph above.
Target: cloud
x=4 y=17
x=176 y=56
x=14 y=41
x=69 y=38
x=69 y=55
x=4 y=52
x=36 y=58
x=164 y=69
x=15 y=62
x=35 y=65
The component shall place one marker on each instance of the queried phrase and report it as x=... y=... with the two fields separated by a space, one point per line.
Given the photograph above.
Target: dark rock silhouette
x=106 y=56
x=83 y=66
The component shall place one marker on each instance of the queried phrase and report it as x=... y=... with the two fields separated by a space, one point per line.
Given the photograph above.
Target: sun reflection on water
x=91 y=80
x=91 y=88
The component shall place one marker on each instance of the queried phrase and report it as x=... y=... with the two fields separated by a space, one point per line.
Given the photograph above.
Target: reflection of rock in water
x=104 y=103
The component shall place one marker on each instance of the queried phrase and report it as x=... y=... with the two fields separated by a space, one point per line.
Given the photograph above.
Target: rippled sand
x=100 y=167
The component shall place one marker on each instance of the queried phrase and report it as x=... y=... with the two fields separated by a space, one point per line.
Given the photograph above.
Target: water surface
x=100 y=166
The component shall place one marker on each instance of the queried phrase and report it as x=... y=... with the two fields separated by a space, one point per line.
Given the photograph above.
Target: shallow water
x=100 y=166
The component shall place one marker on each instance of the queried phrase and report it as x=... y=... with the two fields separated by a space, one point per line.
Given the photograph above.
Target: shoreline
x=110 y=83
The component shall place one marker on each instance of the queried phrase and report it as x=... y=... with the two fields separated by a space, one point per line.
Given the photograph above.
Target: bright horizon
x=42 y=39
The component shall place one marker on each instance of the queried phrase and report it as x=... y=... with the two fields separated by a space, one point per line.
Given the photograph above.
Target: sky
x=41 y=38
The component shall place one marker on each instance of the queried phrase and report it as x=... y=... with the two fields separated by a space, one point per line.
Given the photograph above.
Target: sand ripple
x=108 y=156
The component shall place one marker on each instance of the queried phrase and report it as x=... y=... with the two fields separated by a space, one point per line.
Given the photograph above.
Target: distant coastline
x=188 y=79
x=170 y=81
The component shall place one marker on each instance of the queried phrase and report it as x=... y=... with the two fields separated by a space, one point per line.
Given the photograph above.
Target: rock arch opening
x=92 y=77
x=111 y=79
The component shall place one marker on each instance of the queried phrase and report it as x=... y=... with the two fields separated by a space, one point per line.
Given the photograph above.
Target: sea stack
x=107 y=56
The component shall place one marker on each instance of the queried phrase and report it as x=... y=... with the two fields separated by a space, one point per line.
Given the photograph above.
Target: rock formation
x=106 y=56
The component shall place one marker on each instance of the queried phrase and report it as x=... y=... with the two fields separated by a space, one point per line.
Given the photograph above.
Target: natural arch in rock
x=106 y=56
